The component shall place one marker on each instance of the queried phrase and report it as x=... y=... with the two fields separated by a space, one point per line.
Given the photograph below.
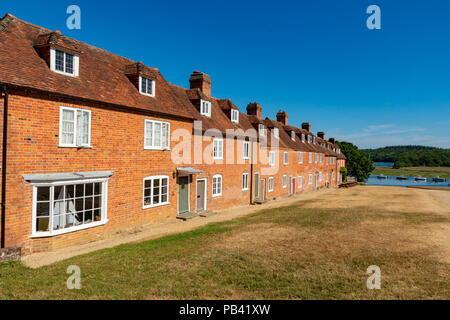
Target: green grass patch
x=426 y=172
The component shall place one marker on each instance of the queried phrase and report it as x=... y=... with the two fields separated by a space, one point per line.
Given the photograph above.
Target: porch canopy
x=188 y=170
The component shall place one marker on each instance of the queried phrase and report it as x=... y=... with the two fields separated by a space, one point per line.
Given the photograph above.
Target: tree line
x=410 y=156
x=357 y=164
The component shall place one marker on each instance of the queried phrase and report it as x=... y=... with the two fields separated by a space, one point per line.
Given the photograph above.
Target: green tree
x=344 y=174
x=357 y=164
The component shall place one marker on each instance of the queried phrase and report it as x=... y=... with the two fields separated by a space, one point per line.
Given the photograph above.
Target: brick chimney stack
x=254 y=109
x=331 y=140
x=282 y=117
x=321 y=135
x=306 y=126
x=202 y=81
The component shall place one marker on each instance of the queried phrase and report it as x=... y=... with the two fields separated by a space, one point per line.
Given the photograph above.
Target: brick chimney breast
x=201 y=81
x=321 y=135
x=282 y=117
x=306 y=126
x=254 y=109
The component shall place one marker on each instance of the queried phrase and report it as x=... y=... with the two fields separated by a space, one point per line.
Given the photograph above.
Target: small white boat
x=420 y=178
x=382 y=176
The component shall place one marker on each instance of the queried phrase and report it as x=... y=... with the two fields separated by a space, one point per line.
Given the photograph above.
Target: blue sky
x=315 y=59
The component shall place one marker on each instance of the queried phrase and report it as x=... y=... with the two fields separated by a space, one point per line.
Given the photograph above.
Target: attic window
x=146 y=86
x=205 y=108
x=235 y=116
x=276 y=133
x=309 y=139
x=63 y=62
x=293 y=135
x=261 y=130
x=303 y=137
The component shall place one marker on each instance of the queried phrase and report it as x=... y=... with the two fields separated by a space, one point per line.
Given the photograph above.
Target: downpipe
x=4 y=153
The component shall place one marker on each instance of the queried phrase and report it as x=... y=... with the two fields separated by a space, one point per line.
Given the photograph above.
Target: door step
x=186 y=216
x=205 y=214
x=260 y=201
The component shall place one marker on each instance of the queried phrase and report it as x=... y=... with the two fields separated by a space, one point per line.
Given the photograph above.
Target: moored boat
x=420 y=178
x=402 y=178
x=382 y=176
x=438 y=179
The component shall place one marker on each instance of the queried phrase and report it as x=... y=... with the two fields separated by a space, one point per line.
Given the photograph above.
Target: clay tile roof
x=56 y=39
x=101 y=77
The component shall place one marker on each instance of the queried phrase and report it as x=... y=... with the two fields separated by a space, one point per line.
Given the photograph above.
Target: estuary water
x=393 y=181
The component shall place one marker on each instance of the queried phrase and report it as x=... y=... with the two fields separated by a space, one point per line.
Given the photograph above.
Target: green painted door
x=183 y=195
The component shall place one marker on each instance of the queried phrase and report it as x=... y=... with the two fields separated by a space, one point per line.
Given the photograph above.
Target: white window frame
x=320 y=177
x=217 y=176
x=51 y=233
x=284 y=181
x=272 y=158
x=276 y=133
x=300 y=157
x=152 y=178
x=270 y=185
x=300 y=182
x=303 y=137
x=244 y=181
x=293 y=135
x=207 y=105
x=76 y=63
x=285 y=158
x=234 y=116
x=310 y=179
x=217 y=149
x=75 y=132
x=153 y=86
x=246 y=150
x=315 y=157
x=152 y=146
x=261 y=129
x=310 y=157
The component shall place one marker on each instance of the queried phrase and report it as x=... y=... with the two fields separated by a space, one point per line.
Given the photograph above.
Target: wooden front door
x=183 y=194
x=201 y=187
x=294 y=186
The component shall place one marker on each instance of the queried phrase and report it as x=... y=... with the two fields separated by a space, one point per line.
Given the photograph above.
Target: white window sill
x=156 y=205
x=217 y=158
x=216 y=195
x=269 y=190
x=67 y=230
x=157 y=149
x=146 y=94
x=245 y=189
x=65 y=73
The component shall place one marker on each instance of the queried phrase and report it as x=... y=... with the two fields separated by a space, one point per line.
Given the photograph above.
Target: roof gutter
x=4 y=154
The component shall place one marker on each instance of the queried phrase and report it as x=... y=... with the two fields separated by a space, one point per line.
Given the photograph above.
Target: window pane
x=143 y=85
x=58 y=193
x=98 y=188
x=85 y=128
x=43 y=209
x=149 y=134
x=68 y=115
x=97 y=215
x=79 y=204
x=157 y=134
x=70 y=191
x=42 y=224
x=59 y=60
x=43 y=194
x=89 y=189
x=149 y=86
x=70 y=206
x=69 y=63
x=58 y=208
x=88 y=202
x=97 y=202
x=79 y=190
x=88 y=216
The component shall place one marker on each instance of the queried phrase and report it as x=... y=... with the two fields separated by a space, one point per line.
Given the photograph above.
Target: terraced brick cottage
x=94 y=143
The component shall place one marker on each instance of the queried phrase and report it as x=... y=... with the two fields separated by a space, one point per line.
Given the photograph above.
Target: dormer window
x=205 y=108
x=64 y=62
x=303 y=137
x=276 y=133
x=309 y=139
x=146 y=86
x=234 y=116
x=261 y=130
x=293 y=135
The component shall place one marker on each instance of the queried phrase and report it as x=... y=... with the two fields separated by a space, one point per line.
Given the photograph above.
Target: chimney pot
x=306 y=126
x=282 y=117
x=254 y=109
x=201 y=81
x=321 y=135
